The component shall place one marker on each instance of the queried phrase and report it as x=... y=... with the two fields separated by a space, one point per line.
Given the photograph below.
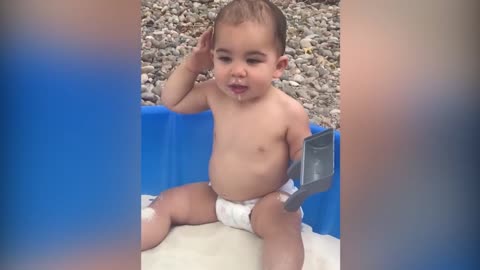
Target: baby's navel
x=261 y=149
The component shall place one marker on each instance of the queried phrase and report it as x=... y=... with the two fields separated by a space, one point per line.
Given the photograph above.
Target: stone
x=148 y=56
x=289 y=90
x=313 y=73
x=148 y=69
x=308 y=106
x=285 y=75
x=328 y=53
x=302 y=93
x=300 y=61
x=318 y=120
x=149 y=87
x=144 y=78
x=333 y=39
x=293 y=83
x=211 y=15
x=312 y=93
x=148 y=96
x=307 y=31
x=321 y=71
x=289 y=51
x=157 y=90
x=149 y=103
x=305 y=43
x=335 y=111
x=298 y=78
x=291 y=65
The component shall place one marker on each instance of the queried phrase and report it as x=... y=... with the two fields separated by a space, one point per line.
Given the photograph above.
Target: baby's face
x=245 y=59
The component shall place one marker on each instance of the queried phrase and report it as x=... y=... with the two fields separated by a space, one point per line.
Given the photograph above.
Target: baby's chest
x=257 y=134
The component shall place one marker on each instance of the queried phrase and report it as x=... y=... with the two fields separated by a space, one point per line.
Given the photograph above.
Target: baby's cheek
x=218 y=72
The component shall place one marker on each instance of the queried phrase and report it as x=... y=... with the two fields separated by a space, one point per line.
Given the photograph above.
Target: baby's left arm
x=298 y=129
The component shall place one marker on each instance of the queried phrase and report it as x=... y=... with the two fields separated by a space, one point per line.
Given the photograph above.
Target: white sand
x=215 y=246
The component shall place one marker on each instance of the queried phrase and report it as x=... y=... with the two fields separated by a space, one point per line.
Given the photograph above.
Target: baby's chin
x=245 y=96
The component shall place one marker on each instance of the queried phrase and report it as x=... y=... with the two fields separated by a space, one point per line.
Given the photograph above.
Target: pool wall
x=176 y=150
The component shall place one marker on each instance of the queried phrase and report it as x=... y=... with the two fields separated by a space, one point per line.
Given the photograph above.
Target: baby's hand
x=201 y=57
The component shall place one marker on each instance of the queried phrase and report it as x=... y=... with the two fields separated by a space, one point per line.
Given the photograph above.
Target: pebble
x=312 y=93
x=328 y=53
x=157 y=90
x=144 y=78
x=321 y=71
x=289 y=90
x=298 y=78
x=149 y=103
x=149 y=87
x=292 y=83
x=148 y=69
x=148 y=56
x=148 y=96
x=305 y=43
x=335 y=111
x=290 y=51
x=302 y=93
x=308 y=106
x=211 y=15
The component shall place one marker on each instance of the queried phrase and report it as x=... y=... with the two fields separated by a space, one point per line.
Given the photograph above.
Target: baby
x=258 y=130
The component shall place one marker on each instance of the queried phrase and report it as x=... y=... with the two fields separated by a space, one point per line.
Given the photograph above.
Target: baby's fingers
x=205 y=38
x=210 y=38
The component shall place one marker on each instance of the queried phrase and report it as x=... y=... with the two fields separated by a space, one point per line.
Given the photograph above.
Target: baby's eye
x=253 y=61
x=225 y=59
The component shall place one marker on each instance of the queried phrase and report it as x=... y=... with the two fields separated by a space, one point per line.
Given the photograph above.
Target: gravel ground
x=170 y=28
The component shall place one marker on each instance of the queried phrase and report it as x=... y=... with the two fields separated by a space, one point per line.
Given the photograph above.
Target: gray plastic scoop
x=315 y=169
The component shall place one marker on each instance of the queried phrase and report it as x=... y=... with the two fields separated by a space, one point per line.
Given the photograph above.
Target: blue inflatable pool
x=176 y=149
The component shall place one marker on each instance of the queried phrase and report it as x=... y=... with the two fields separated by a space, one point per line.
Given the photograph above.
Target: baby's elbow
x=167 y=102
x=168 y=105
x=172 y=107
x=295 y=154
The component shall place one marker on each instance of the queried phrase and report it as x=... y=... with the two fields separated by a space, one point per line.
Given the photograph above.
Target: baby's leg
x=189 y=204
x=281 y=233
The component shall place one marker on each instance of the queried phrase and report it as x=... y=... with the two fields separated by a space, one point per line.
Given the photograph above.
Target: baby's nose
x=238 y=70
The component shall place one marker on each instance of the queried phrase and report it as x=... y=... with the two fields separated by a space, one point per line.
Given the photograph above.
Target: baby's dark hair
x=261 y=11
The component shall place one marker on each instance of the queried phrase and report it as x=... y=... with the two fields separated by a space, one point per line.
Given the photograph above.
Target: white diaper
x=237 y=215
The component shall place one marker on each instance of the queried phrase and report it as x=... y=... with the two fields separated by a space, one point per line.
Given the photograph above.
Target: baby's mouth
x=237 y=88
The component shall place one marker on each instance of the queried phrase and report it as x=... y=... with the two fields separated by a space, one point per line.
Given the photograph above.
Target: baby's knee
x=282 y=197
x=269 y=213
x=148 y=214
x=274 y=201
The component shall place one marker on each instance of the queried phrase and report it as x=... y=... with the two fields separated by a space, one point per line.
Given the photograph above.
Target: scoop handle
x=294 y=170
x=295 y=200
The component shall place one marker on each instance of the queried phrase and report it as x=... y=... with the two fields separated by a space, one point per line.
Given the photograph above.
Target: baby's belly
x=238 y=178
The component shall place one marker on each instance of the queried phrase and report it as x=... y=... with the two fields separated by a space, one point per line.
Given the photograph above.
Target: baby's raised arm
x=180 y=93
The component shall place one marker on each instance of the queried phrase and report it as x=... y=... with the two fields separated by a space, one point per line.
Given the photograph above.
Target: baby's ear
x=281 y=65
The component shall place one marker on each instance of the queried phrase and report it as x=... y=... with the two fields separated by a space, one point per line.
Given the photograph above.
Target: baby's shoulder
x=291 y=107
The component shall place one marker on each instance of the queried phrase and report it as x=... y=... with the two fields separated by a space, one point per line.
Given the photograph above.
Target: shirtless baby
x=258 y=130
